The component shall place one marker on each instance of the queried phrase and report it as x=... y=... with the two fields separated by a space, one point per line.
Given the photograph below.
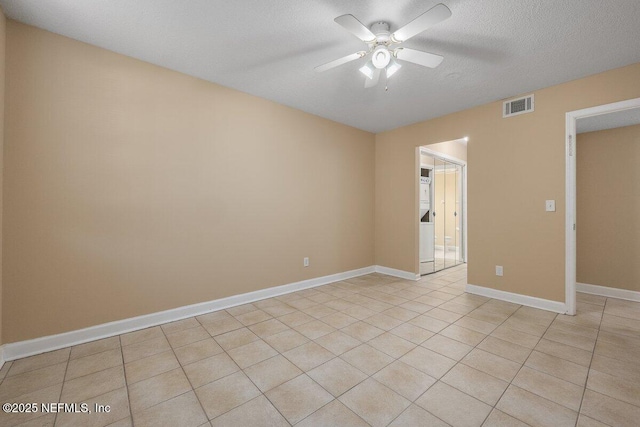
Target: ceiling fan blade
x=340 y=61
x=374 y=81
x=355 y=27
x=436 y=14
x=419 y=57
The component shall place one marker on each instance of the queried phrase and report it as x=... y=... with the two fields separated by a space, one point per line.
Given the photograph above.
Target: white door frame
x=463 y=164
x=570 y=187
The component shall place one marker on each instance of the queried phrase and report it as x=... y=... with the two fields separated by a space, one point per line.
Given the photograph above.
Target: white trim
x=397 y=273
x=1 y=356
x=21 y=349
x=570 y=189
x=570 y=218
x=608 y=292
x=544 y=304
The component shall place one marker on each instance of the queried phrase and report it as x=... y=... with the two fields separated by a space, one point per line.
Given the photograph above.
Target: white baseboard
x=606 y=291
x=544 y=304
x=17 y=350
x=397 y=273
x=1 y=356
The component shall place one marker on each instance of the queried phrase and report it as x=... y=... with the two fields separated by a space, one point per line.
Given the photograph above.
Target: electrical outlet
x=550 y=205
x=305 y=261
x=499 y=270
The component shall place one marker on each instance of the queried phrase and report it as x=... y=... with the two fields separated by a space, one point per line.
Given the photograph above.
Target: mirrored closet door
x=441 y=213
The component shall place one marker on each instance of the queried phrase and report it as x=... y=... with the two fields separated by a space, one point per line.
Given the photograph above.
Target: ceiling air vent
x=517 y=106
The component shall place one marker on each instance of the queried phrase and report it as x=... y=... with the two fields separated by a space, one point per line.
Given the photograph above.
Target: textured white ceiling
x=609 y=121
x=493 y=49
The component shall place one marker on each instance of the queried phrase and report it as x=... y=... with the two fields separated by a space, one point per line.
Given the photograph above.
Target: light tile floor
x=373 y=350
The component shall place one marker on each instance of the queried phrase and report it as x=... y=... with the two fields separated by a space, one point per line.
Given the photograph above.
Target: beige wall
x=515 y=164
x=608 y=208
x=3 y=33
x=131 y=189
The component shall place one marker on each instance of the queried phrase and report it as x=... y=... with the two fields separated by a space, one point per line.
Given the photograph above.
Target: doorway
x=572 y=118
x=442 y=211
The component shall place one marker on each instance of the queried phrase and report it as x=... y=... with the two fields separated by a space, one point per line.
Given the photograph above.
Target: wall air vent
x=513 y=107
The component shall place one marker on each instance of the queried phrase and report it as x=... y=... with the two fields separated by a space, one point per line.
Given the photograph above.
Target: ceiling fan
x=383 y=46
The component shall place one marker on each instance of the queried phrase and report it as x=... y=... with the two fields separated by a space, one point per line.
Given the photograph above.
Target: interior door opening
x=442 y=211
x=571 y=224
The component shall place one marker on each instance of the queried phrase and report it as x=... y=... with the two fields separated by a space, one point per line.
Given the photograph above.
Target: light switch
x=550 y=205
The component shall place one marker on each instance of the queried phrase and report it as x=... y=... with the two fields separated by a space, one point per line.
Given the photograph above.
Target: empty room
x=320 y=213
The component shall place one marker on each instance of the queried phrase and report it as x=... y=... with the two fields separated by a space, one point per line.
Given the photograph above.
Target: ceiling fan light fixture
x=379 y=41
x=367 y=69
x=393 y=67
x=381 y=57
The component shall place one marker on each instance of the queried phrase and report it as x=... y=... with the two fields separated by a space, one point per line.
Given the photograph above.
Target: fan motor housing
x=381 y=31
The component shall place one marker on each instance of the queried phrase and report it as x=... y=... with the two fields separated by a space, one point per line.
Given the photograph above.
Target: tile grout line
x=368 y=376
x=8 y=364
x=146 y=357
x=437 y=379
x=325 y=362
x=522 y=366
x=11 y=363
x=55 y=419
x=297 y=376
x=586 y=381
x=456 y=364
x=569 y=345
x=185 y=375
x=588 y=370
x=434 y=334
x=240 y=370
x=126 y=383
x=493 y=407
